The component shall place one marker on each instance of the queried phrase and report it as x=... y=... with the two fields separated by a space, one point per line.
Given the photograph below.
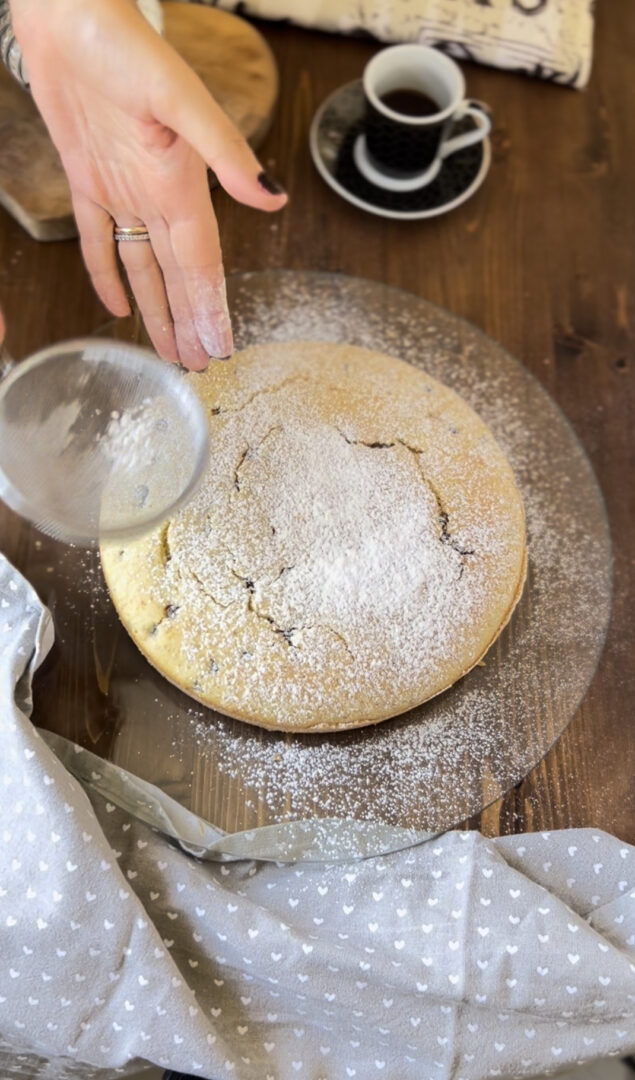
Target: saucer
x=334 y=131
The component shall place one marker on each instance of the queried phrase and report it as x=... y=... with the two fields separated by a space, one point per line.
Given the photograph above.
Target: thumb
x=198 y=118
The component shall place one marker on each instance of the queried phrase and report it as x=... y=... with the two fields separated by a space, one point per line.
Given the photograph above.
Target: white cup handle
x=469 y=138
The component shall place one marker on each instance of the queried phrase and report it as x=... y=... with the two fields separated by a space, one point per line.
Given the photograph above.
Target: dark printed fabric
x=550 y=39
x=459 y=959
x=10 y=53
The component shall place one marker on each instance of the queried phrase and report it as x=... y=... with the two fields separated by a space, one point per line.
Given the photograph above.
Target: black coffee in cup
x=409 y=102
x=415 y=95
x=406 y=143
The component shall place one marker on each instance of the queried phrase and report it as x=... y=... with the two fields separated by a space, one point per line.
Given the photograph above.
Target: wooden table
x=542 y=259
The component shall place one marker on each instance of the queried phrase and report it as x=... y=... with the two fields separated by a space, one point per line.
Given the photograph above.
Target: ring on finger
x=135 y=232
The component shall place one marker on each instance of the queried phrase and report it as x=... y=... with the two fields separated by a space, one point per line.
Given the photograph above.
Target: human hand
x=136 y=130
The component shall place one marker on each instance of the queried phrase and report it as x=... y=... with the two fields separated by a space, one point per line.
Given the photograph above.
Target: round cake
x=356 y=546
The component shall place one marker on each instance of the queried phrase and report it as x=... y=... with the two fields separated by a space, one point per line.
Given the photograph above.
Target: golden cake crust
x=356 y=547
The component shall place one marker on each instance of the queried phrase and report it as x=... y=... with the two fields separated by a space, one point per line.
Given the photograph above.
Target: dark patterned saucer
x=335 y=127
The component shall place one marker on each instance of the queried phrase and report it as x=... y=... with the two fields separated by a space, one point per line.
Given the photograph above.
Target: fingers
x=146 y=282
x=178 y=278
x=195 y=116
x=192 y=353
x=197 y=253
x=98 y=248
x=145 y=278
x=170 y=324
x=193 y=324
x=239 y=171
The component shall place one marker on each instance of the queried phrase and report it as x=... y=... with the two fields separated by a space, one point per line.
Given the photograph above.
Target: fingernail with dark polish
x=270 y=184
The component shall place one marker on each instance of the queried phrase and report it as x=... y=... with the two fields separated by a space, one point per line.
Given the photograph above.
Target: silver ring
x=136 y=232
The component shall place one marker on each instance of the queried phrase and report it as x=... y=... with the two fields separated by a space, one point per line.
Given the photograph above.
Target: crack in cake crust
x=444 y=518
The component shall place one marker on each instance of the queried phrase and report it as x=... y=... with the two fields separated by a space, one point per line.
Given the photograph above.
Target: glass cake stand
x=224 y=788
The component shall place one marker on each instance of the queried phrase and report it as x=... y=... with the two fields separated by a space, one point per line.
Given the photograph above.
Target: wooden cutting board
x=228 y=54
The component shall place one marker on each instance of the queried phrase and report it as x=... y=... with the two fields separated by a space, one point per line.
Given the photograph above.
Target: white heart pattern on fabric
x=341 y=969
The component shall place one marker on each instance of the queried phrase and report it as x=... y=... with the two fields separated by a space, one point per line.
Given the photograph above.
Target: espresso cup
x=415 y=95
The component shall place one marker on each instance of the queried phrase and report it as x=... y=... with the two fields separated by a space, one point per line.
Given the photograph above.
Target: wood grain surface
x=225 y=51
x=542 y=259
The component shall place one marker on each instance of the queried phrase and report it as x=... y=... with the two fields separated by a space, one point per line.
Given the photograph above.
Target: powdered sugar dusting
x=347 y=556
x=446 y=760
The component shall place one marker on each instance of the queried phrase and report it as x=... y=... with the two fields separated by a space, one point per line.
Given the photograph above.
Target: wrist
x=31 y=29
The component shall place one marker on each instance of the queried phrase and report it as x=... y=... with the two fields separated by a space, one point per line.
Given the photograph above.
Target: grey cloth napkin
x=457 y=959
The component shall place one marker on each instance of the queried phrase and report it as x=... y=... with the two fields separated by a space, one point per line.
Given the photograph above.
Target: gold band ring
x=136 y=232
